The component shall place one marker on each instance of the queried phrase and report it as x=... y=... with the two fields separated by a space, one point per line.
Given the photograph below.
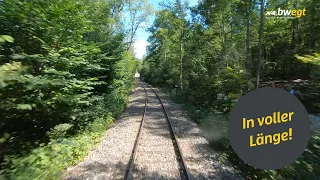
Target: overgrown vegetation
x=48 y=160
x=65 y=73
x=215 y=51
x=215 y=125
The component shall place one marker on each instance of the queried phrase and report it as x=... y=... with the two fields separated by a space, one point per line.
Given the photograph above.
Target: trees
x=167 y=39
x=233 y=34
x=228 y=48
x=66 y=68
x=198 y=52
x=139 y=12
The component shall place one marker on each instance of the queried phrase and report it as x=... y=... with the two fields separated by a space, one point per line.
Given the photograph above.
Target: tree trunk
x=294 y=29
x=165 y=49
x=260 y=41
x=165 y=54
x=133 y=33
x=312 y=36
x=181 y=48
x=248 y=12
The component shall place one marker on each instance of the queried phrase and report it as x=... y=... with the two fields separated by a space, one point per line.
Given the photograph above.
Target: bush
x=48 y=161
x=215 y=126
x=59 y=82
x=59 y=131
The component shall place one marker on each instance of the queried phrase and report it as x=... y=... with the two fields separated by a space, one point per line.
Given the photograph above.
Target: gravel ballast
x=110 y=158
x=156 y=157
x=202 y=161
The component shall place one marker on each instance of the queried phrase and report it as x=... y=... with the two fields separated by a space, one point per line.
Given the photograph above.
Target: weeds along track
x=156 y=153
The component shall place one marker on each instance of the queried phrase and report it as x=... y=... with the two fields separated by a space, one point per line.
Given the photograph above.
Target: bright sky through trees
x=142 y=35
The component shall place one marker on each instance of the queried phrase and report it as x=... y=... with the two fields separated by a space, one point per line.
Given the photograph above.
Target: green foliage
x=64 y=68
x=6 y=38
x=212 y=50
x=59 y=131
x=310 y=59
x=48 y=161
x=215 y=126
x=192 y=55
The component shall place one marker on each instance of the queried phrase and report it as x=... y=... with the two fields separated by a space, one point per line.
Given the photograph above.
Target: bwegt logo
x=288 y=13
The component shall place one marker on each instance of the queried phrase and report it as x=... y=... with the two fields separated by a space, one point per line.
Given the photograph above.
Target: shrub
x=48 y=161
x=215 y=125
x=59 y=131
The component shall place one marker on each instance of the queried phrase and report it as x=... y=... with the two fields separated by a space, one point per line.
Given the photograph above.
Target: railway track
x=156 y=153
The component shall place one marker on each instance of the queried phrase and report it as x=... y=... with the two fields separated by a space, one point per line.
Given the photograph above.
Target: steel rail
x=135 y=148
x=178 y=148
x=178 y=152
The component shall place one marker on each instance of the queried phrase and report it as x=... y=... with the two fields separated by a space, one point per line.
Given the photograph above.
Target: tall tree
x=248 y=13
x=139 y=12
x=260 y=41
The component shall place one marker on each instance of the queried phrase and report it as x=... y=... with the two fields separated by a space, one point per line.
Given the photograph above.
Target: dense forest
x=219 y=50
x=66 y=68
x=222 y=46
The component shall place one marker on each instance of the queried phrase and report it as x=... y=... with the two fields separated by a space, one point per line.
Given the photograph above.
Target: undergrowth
x=49 y=161
x=215 y=125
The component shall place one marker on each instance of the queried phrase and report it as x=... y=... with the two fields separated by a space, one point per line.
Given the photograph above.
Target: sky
x=142 y=36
